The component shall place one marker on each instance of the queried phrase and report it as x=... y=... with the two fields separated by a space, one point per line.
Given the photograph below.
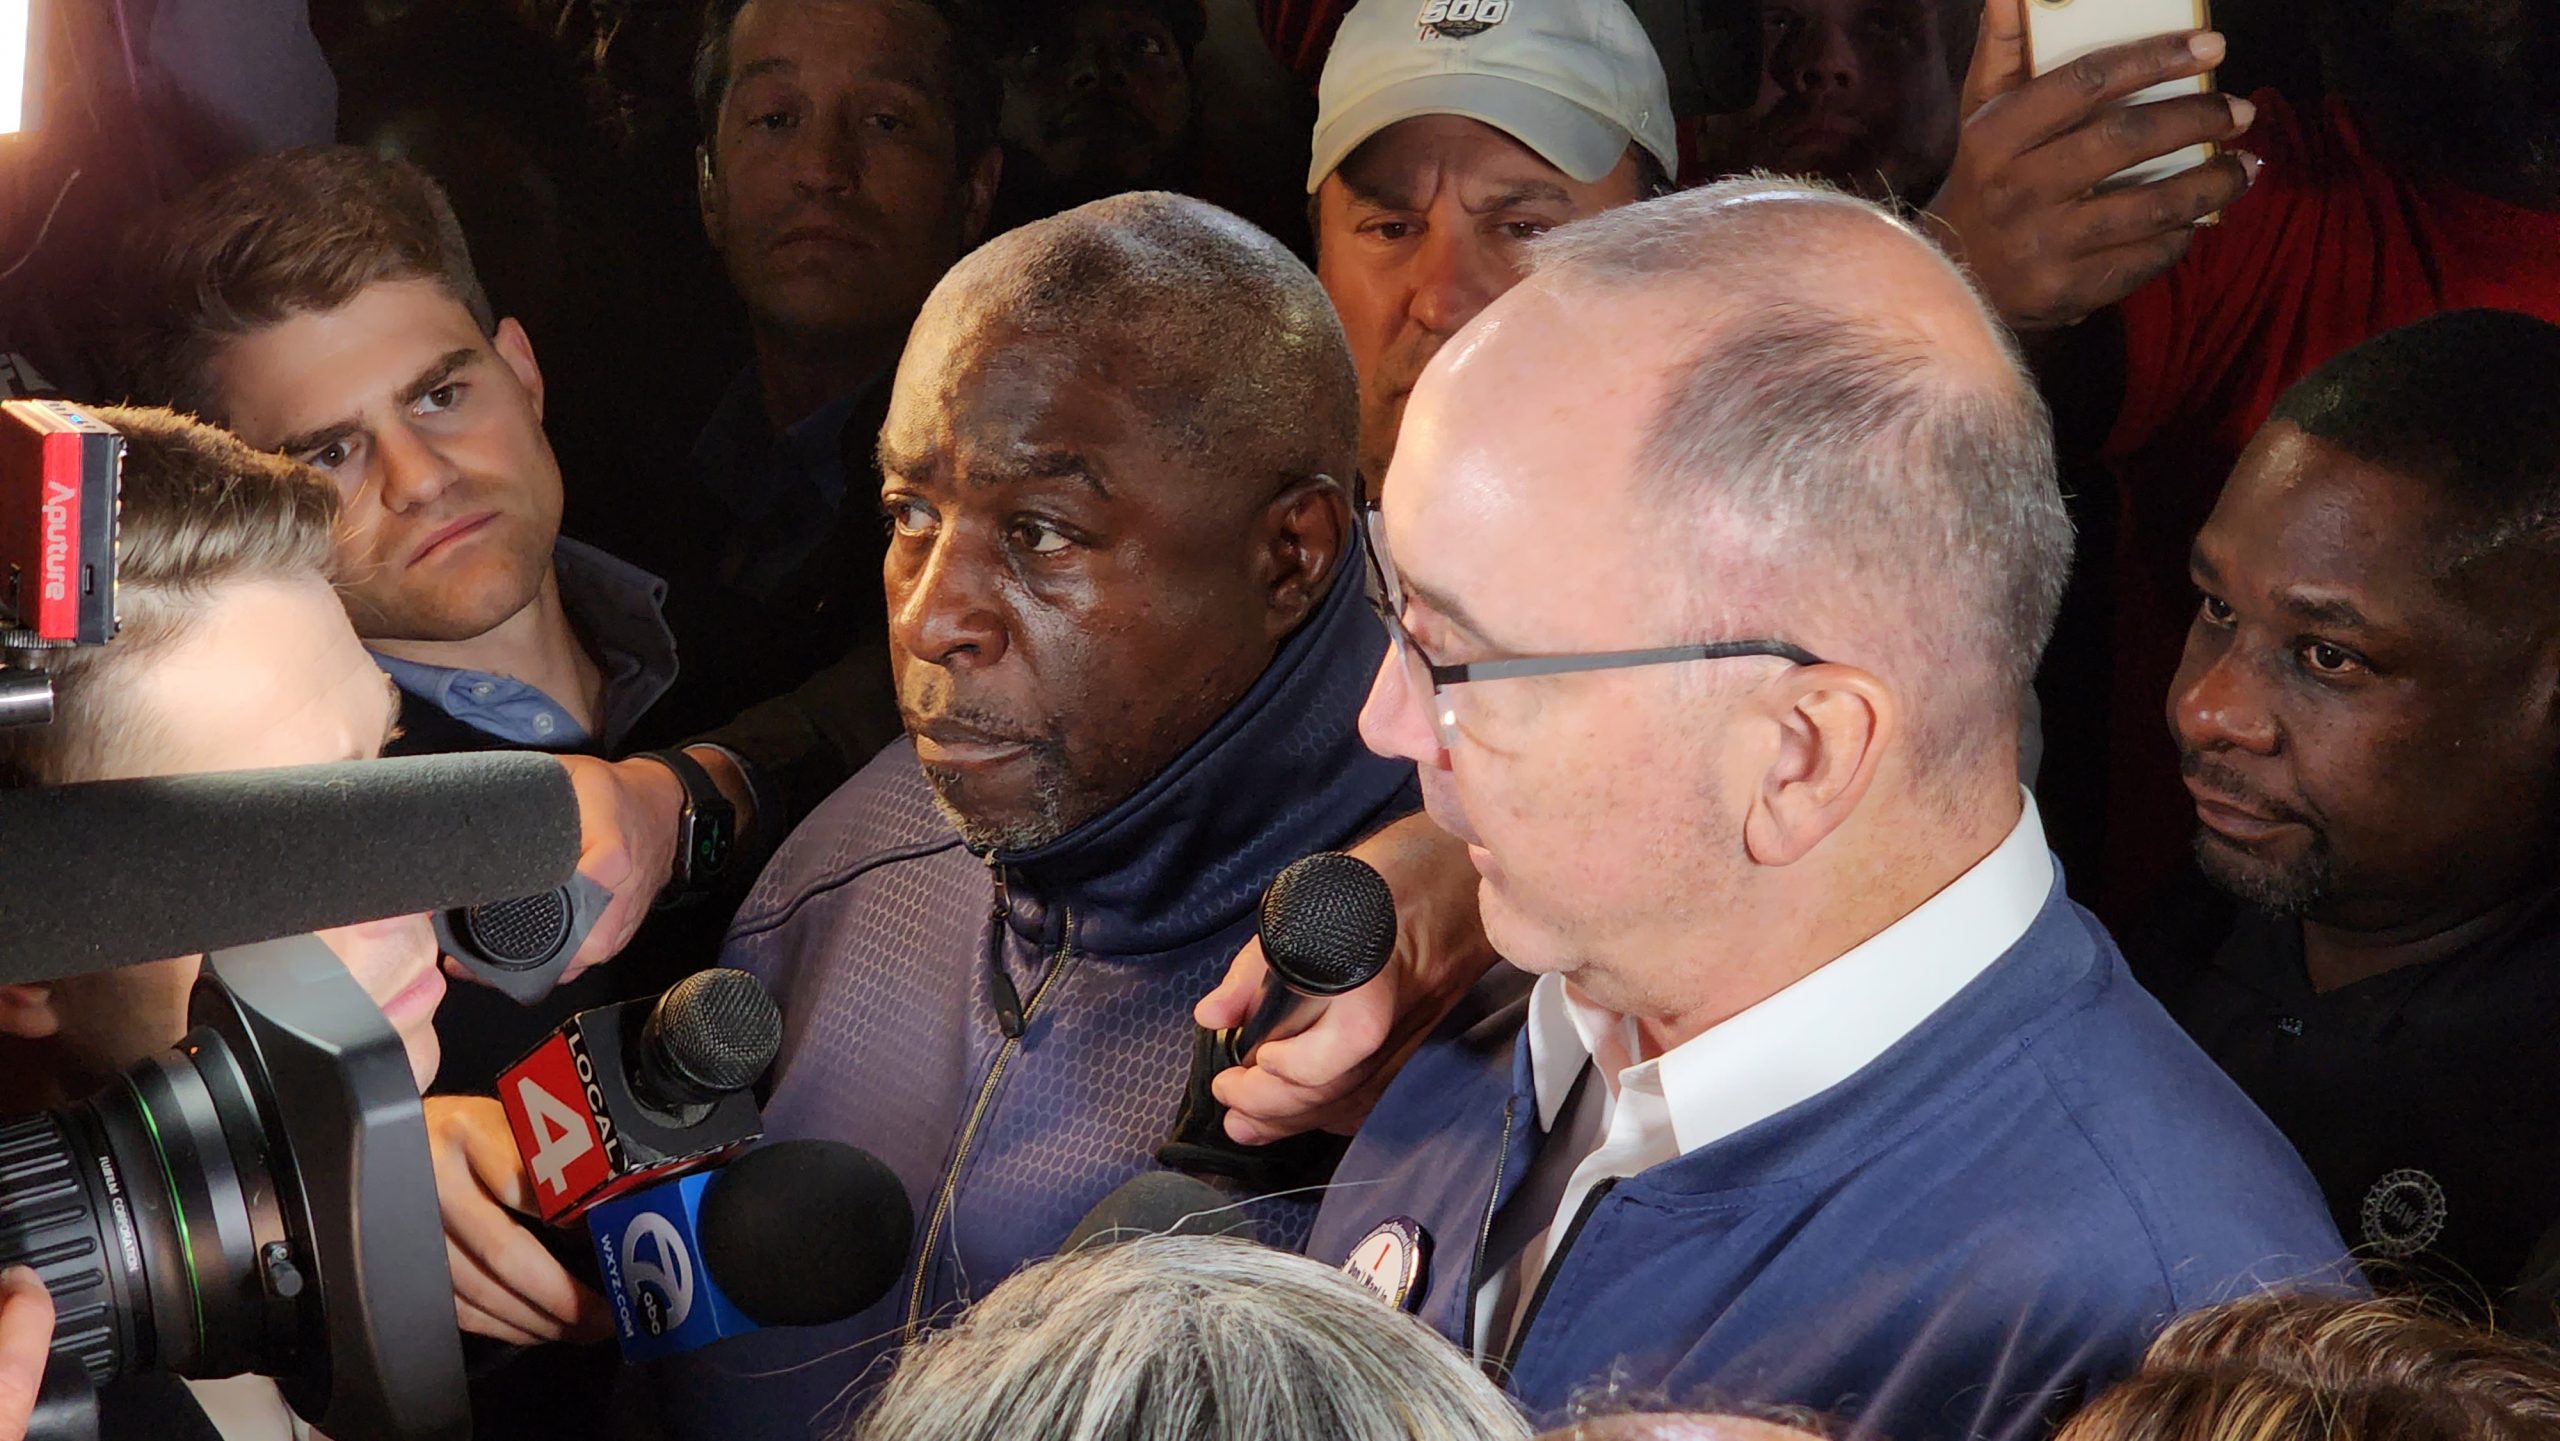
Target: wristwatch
x=706 y=833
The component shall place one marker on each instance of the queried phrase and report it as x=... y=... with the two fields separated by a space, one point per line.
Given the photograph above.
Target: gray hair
x=1844 y=445
x=1187 y=1338
x=1243 y=358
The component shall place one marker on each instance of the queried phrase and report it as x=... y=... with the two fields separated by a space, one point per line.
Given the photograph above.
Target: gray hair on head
x=1187 y=1338
x=1839 y=450
x=1241 y=358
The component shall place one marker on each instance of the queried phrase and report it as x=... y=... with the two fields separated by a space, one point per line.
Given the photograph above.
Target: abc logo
x=659 y=1271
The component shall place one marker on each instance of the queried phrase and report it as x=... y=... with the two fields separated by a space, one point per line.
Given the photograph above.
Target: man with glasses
x=1442 y=146
x=1712 y=590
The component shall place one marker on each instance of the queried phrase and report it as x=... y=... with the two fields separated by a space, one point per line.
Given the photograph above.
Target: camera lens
x=146 y=1208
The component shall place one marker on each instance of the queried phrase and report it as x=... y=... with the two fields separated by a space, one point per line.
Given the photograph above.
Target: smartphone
x=2061 y=31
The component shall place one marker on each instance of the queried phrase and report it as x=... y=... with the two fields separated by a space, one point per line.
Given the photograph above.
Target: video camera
x=260 y=1198
x=257 y=1199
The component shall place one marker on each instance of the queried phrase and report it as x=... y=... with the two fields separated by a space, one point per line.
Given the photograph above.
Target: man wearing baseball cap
x=1448 y=134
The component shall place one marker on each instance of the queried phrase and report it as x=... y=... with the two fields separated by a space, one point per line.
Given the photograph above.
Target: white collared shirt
x=1633 y=1114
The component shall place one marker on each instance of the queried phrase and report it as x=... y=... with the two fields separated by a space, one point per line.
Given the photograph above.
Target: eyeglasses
x=1427 y=676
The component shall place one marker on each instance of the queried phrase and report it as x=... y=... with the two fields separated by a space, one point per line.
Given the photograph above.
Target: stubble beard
x=1051 y=813
x=2290 y=889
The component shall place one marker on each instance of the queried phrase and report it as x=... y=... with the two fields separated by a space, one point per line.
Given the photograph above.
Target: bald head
x=1115 y=463
x=1225 y=339
x=1759 y=454
x=1827 y=435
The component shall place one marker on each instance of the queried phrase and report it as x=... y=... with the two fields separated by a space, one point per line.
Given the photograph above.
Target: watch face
x=710 y=849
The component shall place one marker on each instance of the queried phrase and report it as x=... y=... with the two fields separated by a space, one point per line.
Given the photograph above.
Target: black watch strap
x=706 y=834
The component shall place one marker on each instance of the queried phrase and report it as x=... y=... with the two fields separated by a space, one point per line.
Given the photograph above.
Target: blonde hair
x=201 y=510
x=1187 y=1338
x=2304 y=1368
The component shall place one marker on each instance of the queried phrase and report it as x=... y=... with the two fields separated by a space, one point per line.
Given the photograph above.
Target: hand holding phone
x=2034 y=203
x=2061 y=31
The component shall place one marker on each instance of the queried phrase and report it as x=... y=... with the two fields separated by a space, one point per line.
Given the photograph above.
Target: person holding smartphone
x=2424 y=180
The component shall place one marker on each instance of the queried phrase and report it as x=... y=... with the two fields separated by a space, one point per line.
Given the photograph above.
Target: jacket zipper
x=1484 y=1235
x=1555 y=1263
x=1013 y=1018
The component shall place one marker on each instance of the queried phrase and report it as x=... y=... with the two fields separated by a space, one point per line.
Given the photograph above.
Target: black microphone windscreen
x=1328 y=924
x=713 y=1032
x=109 y=873
x=801 y=1233
x=1161 y=1203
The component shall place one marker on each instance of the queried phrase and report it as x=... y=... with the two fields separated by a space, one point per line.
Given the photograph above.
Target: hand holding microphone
x=506 y=1284
x=619 y=1097
x=1328 y=925
x=1322 y=1069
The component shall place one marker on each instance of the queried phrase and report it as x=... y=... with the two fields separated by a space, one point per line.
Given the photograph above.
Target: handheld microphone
x=1328 y=926
x=111 y=873
x=798 y=1233
x=1161 y=1203
x=629 y=1094
x=520 y=946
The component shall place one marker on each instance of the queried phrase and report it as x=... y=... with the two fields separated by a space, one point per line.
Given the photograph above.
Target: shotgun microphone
x=111 y=873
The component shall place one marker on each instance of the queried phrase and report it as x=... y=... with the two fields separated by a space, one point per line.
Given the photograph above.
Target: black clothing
x=2426 y=1100
x=615 y=610
x=152 y=1406
x=772 y=558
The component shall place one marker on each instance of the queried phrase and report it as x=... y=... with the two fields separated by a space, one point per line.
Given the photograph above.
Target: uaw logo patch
x=2403 y=1214
x=1458 y=19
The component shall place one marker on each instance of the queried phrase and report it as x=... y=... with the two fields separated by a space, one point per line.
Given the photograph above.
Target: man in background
x=2368 y=719
x=1441 y=151
x=2424 y=180
x=322 y=304
x=849 y=157
x=1098 y=100
x=1861 y=93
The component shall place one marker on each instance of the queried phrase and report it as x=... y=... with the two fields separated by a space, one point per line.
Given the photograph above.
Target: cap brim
x=1567 y=136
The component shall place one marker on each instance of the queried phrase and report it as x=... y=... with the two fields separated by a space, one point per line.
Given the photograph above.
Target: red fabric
x=2329 y=248
x=1299 y=32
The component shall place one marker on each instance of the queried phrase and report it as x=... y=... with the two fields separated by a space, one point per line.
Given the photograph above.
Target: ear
x=1298 y=547
x=979 y=197
x=707 y=195
x=1833 y=723
x=516 y=349
x=26 y=1012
